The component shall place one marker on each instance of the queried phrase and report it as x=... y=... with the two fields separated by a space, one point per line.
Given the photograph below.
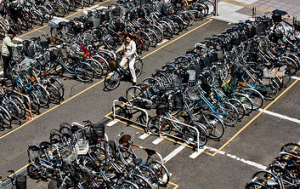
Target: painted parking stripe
x=197 y=153
x=145 y=135
x=294 y=77
x=173 y=153
x=112 y=122
x=280 y=116
x=158 y=140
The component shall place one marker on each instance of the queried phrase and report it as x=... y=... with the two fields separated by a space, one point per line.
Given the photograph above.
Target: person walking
x=129 y=50
x=7 y=46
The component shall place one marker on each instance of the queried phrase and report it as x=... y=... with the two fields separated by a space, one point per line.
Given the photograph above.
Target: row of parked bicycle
x=21 y=15
x=282 y=173
x=209 y=88
x=81 y=156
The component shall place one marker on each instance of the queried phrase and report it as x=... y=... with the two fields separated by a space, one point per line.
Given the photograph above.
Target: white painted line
x=93 y=7
x=280 y=116
x=163 y=41
x=174 y=153
x=295 y=77
x=65 y=20
x=112 y=122
x=259 y=166
x=197 y=153
x=158 y=140
x=142 y=137
x=18 y=39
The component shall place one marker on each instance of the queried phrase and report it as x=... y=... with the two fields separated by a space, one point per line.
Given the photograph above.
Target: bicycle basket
x=99 y=130
x=113 y=64
x=68 y=154
x=82 y=147
x=177 y=81
x=124 y=142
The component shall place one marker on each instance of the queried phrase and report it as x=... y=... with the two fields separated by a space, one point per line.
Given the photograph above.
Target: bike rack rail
x=173 y=136
x=132 y=106
x=29 y=110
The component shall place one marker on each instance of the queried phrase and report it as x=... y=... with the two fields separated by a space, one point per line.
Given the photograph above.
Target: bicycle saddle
x=243 y=84
x=74 y=128
x=34 y=147
x=137 y=161
x=150 y=152
x=45 y=145
x=34 y=38
x=144 y=86
x=32 y=79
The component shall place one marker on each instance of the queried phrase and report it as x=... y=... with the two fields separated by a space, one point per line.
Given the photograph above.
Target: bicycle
x=114 y=76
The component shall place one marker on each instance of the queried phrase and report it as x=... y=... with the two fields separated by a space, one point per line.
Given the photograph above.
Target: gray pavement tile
x=245 y=11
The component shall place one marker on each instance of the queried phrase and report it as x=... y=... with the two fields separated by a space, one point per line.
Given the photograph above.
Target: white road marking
x=142 y=137
x=295 y=77
x=280 y=116
x=259 y=166
x=174 y=153
x=197 y=153
x=158 y=140
x=112 y=122
x=163 y=41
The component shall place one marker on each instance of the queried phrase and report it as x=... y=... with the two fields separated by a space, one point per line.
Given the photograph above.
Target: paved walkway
x=237 y=10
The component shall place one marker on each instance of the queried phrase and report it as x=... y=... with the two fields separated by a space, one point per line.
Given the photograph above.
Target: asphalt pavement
x=229 y=163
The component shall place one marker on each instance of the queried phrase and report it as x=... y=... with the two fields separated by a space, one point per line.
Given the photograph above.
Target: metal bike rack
x=178 y=122
x=131 y=106
x=29 y=110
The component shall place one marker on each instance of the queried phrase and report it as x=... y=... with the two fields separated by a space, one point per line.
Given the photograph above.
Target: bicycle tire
x=112 y=80
x=246 y=101
x=291 y=148
x=54 y=94
x=84 y=72
x=154 y=128
x=97 y=67
x=138 y=67
x=255 y=96
x=228 y=113
x=239 y=106
x=134 y=95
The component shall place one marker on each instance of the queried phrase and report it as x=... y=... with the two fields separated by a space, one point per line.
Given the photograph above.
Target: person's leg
x=123 y=62
x=6 y=60
x=131 y=68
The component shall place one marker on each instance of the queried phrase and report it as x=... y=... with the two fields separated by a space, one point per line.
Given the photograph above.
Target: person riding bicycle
x=129 y=49
x=7 y=46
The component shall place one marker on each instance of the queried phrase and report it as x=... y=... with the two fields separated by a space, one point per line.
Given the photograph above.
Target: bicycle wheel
x=45 y=12
x=154 y=126
x=112 y=80
x=58 y=84
x=256 y=97
x=161 y=172
x=20 y=103
x=214 y=125
x=42 y=94
x=267 y=178
x=135 y=95
x=37 y=18
x=141 y=181
x=228 y=113
x=246 y=101
x=13 y=110
x=97 y=67
x=60 y=11
x=291 y=148
x=138 y=67
x=255 y=185
x=7 y=121
x=34 y=102
x=128 y=185
x=191 y=135
x=84 y=72
x=54 y=94
x=239 y=106
x=271 y=91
